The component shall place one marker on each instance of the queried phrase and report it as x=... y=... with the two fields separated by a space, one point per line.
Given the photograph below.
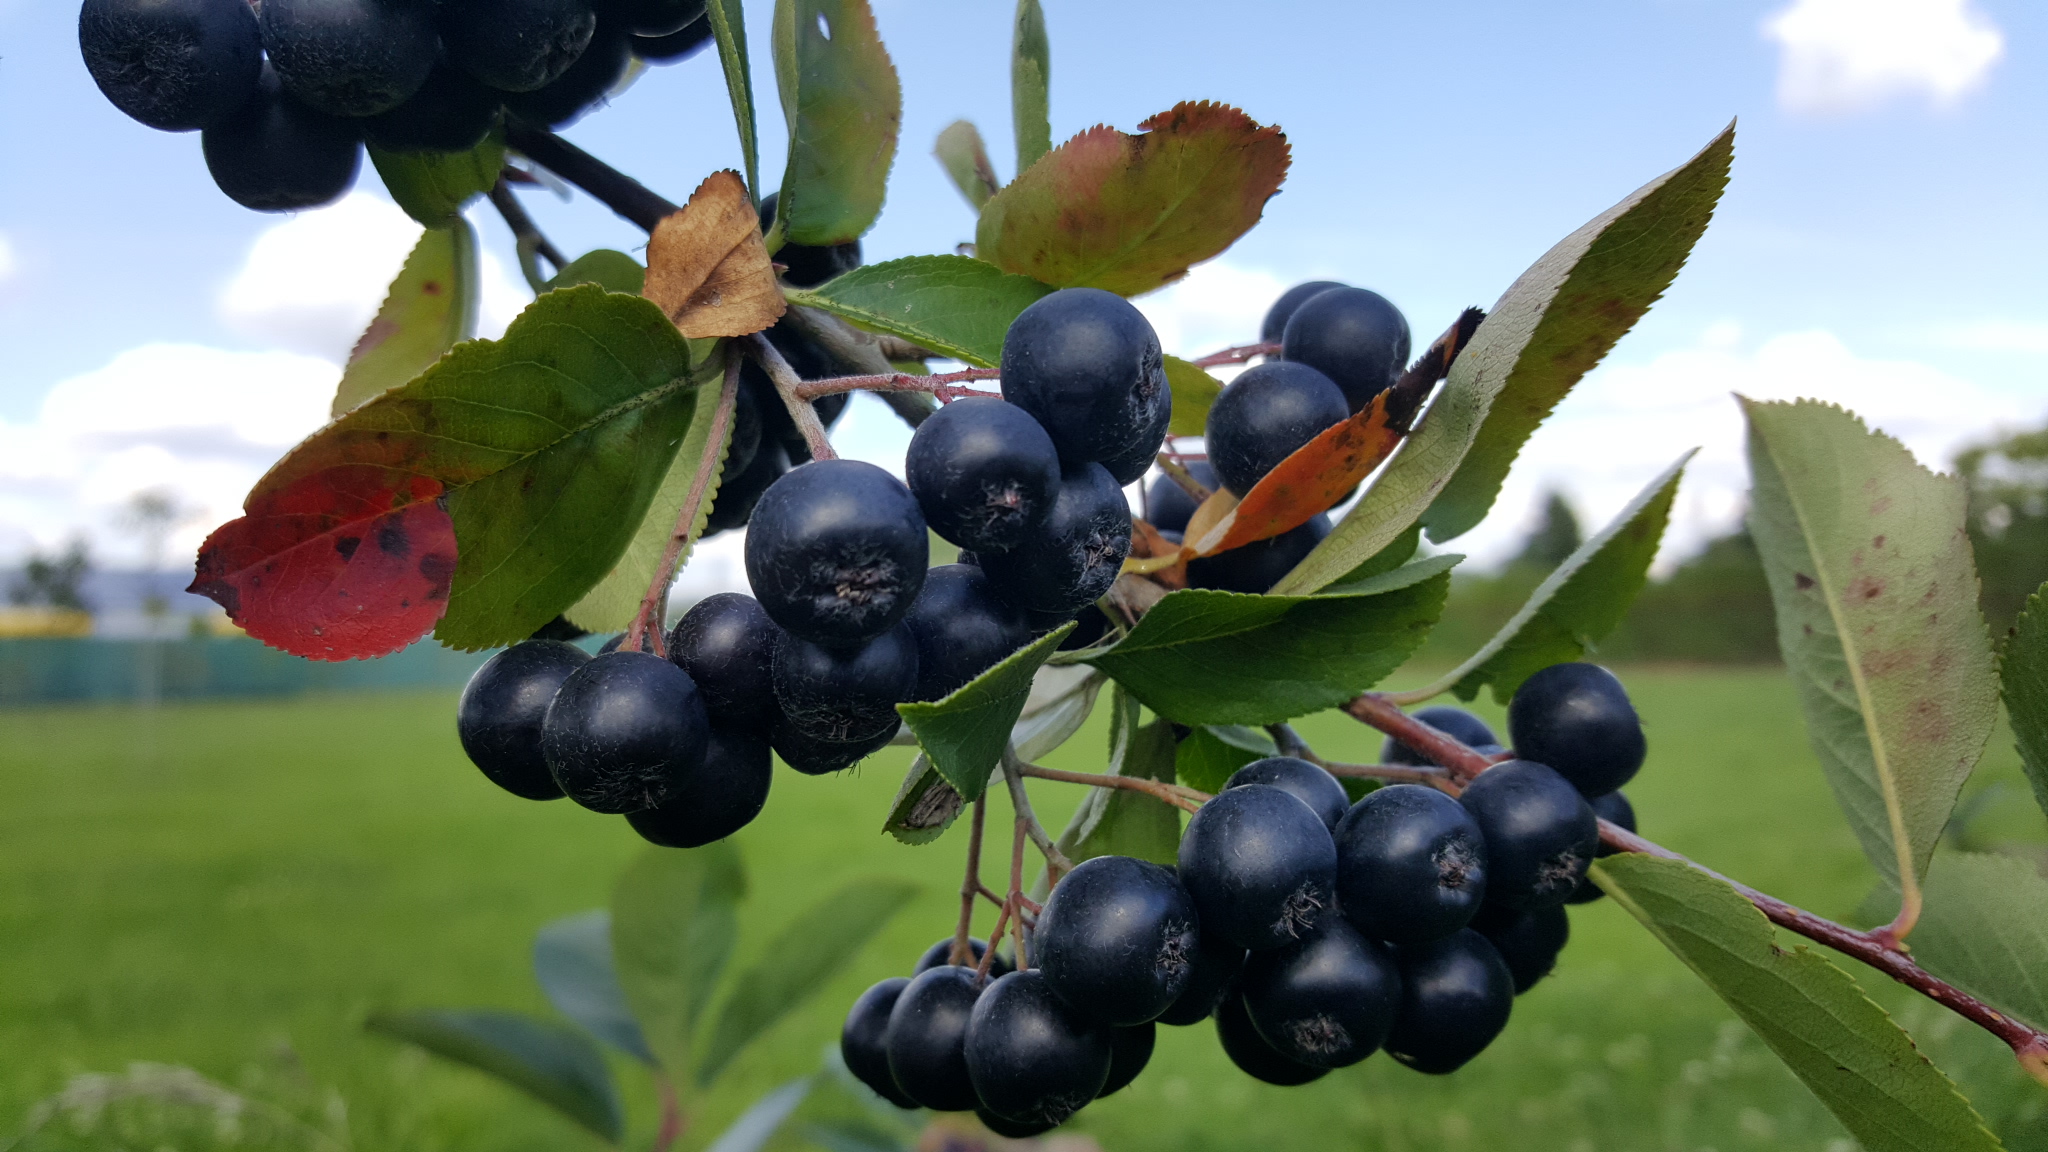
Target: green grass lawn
x=232 y=886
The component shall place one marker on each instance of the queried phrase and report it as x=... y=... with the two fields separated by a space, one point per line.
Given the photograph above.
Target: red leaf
x=1310 y=481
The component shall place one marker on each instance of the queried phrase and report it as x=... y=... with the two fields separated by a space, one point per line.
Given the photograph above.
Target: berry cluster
x=284 y=96
x=1314 y=931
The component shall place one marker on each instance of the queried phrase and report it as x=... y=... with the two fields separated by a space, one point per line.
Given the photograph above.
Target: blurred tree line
x=1716 y=608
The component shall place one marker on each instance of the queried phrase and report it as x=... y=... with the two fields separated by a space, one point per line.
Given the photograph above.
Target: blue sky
x=1881 y=243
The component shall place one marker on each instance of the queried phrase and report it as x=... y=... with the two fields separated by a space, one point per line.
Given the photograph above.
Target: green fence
x=43 y=671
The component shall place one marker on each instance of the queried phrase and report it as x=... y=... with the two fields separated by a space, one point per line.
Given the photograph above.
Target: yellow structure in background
x=22 y=622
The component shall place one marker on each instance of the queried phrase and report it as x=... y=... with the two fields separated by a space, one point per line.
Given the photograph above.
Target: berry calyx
x=1217 y=963
x=1577 y=718
x=516 y=45
x=1304 y=781
x=718 y=799
x=985 y=473
x=350 y=57
x=1260 y=866
x=623 y=731
x=1265 y=414
x=175 y=65
x=1615 y=809
x=499 y=716
x=1540 y=833
x=836 y=551
x=1456 y=994
x=1033 y=1058
x=1250 y=1052
x=1354 y=336
x=1411 y=864
x=1087 y=365
x=860 y=1040
x=1069 y=561
x=1117 y=939
x=926 y=1038
x=1326 y=1000
x=845 y=695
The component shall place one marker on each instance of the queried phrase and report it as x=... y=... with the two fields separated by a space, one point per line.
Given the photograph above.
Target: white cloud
x=8 y=265
x=2022 y=336
x=1841 y=56
x=1216 y=306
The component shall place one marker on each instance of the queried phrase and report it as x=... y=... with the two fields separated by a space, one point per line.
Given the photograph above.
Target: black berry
x=1355 y=337
x=1217 y=963
x=1577 y=718
x=836 y=551
x=941 y=950
x=1068 y=562
x=619 y=641
x=985 y=473
x=1087 y=365
x=1130 y=1049
x=860 y=1040
x=676 y=46
x=596 y=72
x=350 y=57
x=1258 y=566
x=452 y=112
x=1528 y=942
x=1540 y=833
x=727 y=645
x=1304 y=781
x=1411 y=864
x=1456 y=723
x=1327 y=999
x=177 y=65
x=1456 y=994
x=962 y=629
x=657 y=17
x=739 y=491
x=814 y=757
x=1012 y=1129
x=1117 y=939
x=1260 y=865
x=623 y=731
x=845 y=695
x=1283 y=309
x=499 y=717
x=1615 y=809
x=275 y=154
x=926 y=1035
x=1130 y=465
x=718 y=799
x=1264 y=415
x=516 y=45
x=1250 y=1052
x=1168 y=507
x=1034 y=1058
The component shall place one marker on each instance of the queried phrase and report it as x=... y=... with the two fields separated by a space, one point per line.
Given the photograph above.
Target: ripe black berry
x=1411 y=865
x=1540 y=833
x=985 y=473
x=739 y=491
x=718 y=799
x=727 y=645
x=926 y=1034
x=452 y=112
x=1327 y=999
x=1259 y=565
x=601 y=66
x=1217 y=963
x=836 y=551
x=1168 y=507
x=860 y=1040
x=1354 y=336
x=1304 y=781
x=516 y=45
x=1264 y=415
x=350 y=57
x=1130 y=465
x=845 y=695
x=807 y=266
x=1117 y=939
x=275 y=154
x=1033 y=1057
x=623 y=731
x=1260 y=865
x=1528 y=942
x=1130 y=1049
x=172 y=64
x=1577 y=719
x=1283 y=309
x=1456 y=723
x=1250 y=1052
x=1068 y=562
x=814 y=757
x=499 y=717
x=1011 y=1129
x=657 y=17
x=676 y=46
x=1615 y=809
x=1456 y=994
x=940 y=950
x=1087 y=365
x=962 y=629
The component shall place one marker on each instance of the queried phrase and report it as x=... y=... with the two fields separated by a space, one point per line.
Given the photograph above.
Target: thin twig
x=1290 y=743
x=788 y=385
x=1237 y=355
x=526 y=235
x=970 y=885
x=988 y=954
x=1017 y=888
x=1186 y=799
x=1056 y=862
x=941 y=386
x=989 y=894
x=651 y=606
x=1170 y=463
x=858 y=351
x=612 y=188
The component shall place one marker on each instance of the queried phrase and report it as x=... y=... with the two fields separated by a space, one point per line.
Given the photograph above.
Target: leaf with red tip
x=1132 y=213
x=1311 y=481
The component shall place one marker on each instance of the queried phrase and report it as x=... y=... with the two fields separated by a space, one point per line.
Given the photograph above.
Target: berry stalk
x=941 y=386
x=1237 y=354
x=609 y=186
x=526 y=235
x=1056 y=862
x=789 y=386
x=970 y=885
x=649 y=617
x=1186 y=799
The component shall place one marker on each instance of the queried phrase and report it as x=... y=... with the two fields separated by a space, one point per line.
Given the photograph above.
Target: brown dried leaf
x=707 y=267
x=1311 y=481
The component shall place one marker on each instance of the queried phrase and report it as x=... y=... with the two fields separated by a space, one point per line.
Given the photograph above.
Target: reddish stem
x=941 y=385
x=673 y=1122
x=789 y=386
x=656 y=599
x=1186 y=799
x=1016 y=893
x=970 y=885
x=1237 y=355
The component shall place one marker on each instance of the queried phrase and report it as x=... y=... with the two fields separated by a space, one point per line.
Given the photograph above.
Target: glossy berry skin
x=1540 y=833
x=718 y=799
x=1577 y=719
x=274 y=154
x=984 y=472
x=1260 y=865
x=1411 y=864
x=926 y=1037
x=1117 y=939
x=516 y=45
x=1456 y=994
x=1130 y=1049
x=1034 y=1058
x=565 y=99
x=1086 y=364
x=860 y=1039
x=1168 y=507
x=175 y=65
x=962 y=629
x=1528 y=942
x=1306 y=782
x=1010 y=1129
x=657 y=17
x=350 y=57
x=500 y=714
x=845 y=695
x=1615 y=809
x=1250 y=1052
x=1130 y=465
x=1068 y=562
x=1217 y=963
x=941 y=949
x=1456 y=723
x=1275 y=324
x=1264 y=415
x=1325 y=1000
x=836 y=551
x=726 y=642
x=1258 y=566
x=452 y=112
x=624 y=731
x=739 y=491
x=1354 y=336
x=814 y=757
x=676 y=46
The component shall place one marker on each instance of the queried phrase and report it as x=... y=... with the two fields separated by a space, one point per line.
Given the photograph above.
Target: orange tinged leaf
x=707 y=267
x=1312 y=480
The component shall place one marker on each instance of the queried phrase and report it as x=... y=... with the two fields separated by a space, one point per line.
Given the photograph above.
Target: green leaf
x=430 y=308
x=965 y=159
x=572 y=960
x=844 y=108
x=956 y=306
x=1576 y=605
x=1133 y=213
x=1207 y=657
x=1547 y=329
x=612 y=603
x=2023 y=681
x=965 y=733
x=1844 y=1047
x=1591 y=303
x=1876 y=597
x=801 y=959
x=758 y=1125
x=1030 y=78
x=675 y=913
x=615 y=271
x=1211 y=753
x=729 y=28
x=552 y=1063
x=1117 y=822
x=1985 y=930
x=432 y=187
x=1193 y=392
